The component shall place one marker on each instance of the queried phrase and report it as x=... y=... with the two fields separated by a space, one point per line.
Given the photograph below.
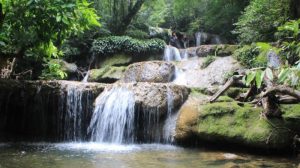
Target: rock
x=65 y=66
x=153 y=97
x=108 y=74
x=117 y=60
x=150 y=71
x=210 y=77
x=273 y=60
x=218 y=50
x=159 y=32
x=231 y=124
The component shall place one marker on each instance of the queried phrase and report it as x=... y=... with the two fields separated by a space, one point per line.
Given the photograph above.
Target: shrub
x=260 y=20
x=117 y=44
x=248 y=56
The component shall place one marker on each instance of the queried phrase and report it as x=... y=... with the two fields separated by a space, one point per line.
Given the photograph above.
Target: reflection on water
x=92 y=155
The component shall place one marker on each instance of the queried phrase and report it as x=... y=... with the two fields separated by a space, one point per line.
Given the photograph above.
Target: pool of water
x=92 y=155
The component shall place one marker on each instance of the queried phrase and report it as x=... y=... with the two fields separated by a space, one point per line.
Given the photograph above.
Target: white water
x=113 y=117
x=170 y=123
x=198 y=36
x=85 y=79
x=180 y=77
x=172 y=54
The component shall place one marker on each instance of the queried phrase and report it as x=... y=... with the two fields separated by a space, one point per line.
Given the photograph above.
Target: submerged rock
x=150 y=71
x=234 y=124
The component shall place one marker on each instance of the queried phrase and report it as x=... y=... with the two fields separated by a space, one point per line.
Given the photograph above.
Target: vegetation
x=118 y=44
x=207 y=61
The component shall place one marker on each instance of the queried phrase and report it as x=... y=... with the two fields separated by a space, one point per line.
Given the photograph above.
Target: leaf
x=250 y=77
x=283 y=75
x=264 y=46
x=269 y=74
x=259 y=78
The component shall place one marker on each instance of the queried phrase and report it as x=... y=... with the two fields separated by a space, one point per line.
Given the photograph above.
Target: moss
x=226 y=50
x=229 y=122
x=207 y=61
x=291 y=115
x=117 y=60
x=197 y=91
x=108 y=73
x=233 y=92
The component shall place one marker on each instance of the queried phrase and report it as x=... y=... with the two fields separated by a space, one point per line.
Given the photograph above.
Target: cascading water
x=170 y=123
x=118 y=119
x=172 y=54
x=180 y=77
x=113 y=117
x=85 y=79
x=198 y=36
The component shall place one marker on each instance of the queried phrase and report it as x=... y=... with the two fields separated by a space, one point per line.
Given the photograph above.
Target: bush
x=117 y=44
x=139 y=34
x=260 y=20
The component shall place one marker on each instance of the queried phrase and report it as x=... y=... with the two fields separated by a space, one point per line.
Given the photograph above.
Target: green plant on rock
x=124 y=44
x=207 y=61
x=247 y=55
x=53 y=70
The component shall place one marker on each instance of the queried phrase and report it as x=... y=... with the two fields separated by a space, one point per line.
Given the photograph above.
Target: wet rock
x=108 y=74
x=273 y=60
x=150 y=71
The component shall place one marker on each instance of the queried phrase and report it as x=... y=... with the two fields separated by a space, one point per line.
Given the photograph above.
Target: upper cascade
x=172 y=54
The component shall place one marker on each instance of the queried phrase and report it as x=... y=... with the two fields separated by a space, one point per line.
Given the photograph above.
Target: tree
x=118 y=14
x=260 y=20
x=39 y=27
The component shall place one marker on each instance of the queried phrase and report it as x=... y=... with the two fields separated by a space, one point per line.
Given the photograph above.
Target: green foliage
x=35 y=24
x=207 y=61
x=138 y=34
x=288 y=35
x=260 y=20
x=52 y=70
x=248 y=56
x=118 y=44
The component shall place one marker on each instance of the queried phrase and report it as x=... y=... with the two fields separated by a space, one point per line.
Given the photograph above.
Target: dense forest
x=34 y=32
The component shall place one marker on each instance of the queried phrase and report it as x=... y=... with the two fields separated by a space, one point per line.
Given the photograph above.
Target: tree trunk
x=132 y=12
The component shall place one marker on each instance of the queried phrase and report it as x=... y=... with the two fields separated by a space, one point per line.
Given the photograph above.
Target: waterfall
x=180 y=77
x=171 y=54
x=113 y=117
x=85 y=79
x=170 y=123
x=198 y=36
x=74 y=112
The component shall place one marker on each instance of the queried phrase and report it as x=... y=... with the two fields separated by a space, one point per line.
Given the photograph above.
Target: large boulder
x=108 y=74
x=150 y=71
x=234 y=124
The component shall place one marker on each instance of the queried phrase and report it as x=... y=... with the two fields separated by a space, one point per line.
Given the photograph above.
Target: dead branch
x=233 y=80
x=7 y=71
x=283 y=90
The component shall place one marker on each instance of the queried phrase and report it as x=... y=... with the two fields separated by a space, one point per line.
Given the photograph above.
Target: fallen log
x=232 y=81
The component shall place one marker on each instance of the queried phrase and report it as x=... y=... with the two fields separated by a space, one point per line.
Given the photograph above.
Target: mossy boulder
x=218 y=50
x=117 y=60
x=65 y=66
x=108 y=74
x=231 y=123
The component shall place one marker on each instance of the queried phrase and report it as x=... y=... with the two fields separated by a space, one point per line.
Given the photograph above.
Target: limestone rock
x=108 y=74
x=150 y=71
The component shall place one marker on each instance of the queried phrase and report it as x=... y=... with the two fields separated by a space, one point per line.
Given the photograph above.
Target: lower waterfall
x=113 y=117
x=118 y=119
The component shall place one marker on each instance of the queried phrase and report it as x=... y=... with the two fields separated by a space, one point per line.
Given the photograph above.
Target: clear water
x=92 y=155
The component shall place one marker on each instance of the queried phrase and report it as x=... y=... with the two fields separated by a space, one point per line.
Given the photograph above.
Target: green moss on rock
x=229 y=122
x=117 y=60
x=107 y=74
